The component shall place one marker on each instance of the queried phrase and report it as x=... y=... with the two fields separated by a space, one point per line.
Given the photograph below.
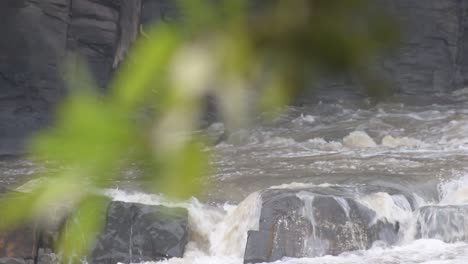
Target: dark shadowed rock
x=447 y=223
x=154 y=11
x=31 y=241
x=432 y=54
x=259 y=246
x=93 y=33
x=137 y=232
x=32 y=48
x=319 y=221
x=21 y=243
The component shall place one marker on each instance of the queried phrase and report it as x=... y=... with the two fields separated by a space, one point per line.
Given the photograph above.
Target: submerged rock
x=137 y=232
x=448 y=223
x=321 y=221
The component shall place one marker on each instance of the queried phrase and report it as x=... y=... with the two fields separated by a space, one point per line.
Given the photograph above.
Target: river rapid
x=417 y=144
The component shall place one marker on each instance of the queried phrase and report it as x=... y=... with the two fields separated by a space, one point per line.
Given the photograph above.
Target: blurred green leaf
x=81 y=229
x=182 y=170
x=142 y=74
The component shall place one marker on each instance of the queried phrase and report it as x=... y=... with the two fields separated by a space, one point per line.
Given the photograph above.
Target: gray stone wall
x=36 y=36
x=432 y=53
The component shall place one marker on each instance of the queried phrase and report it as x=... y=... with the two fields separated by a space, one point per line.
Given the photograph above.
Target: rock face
x=320 y=221
x=27 y=244
x=447 y=223
x=37 y=36
x=20 y=243
x=433 y=54
x=93 y=33
x=133 y=233
x=137 y=233
x=31 y=51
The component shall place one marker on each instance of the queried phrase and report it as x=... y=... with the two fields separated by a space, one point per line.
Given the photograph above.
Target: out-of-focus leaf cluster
x=251 y=58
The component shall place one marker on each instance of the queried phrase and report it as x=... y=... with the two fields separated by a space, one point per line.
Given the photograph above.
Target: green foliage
x=249 y=60
x=81 y=228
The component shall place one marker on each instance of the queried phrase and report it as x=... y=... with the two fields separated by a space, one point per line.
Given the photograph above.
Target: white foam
x=304 y=119
x=454 y=191
x=387 y=207
x=359 y=139
x=230 y=236
x=394 y=209
x=322 y=144
x=423 y=251
x=394 y=142
x=200 y=260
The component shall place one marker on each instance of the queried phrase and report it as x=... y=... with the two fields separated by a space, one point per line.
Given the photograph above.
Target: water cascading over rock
x=448 y=223
x=317 y=221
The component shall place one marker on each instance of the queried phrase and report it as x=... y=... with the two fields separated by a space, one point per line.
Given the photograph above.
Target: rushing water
x=412 y=143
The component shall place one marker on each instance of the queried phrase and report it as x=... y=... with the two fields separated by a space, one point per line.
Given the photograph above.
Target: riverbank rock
x=29 y=243
x=137 y=232
x=25 y=241
x=319 y=221
x=444 y=222
x=21 y=243
x=133 y=233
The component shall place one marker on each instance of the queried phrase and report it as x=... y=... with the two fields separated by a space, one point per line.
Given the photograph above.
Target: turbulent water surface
x=415 y=144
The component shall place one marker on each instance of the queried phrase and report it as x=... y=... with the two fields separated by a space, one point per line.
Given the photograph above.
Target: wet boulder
x=28 y=243
x=20 y=243
x=444 y=222
x=137 y=232
x=321 y=221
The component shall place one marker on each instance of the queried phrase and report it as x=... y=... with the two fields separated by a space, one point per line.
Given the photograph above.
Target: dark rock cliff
x=433 y=53
x=36 y=36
